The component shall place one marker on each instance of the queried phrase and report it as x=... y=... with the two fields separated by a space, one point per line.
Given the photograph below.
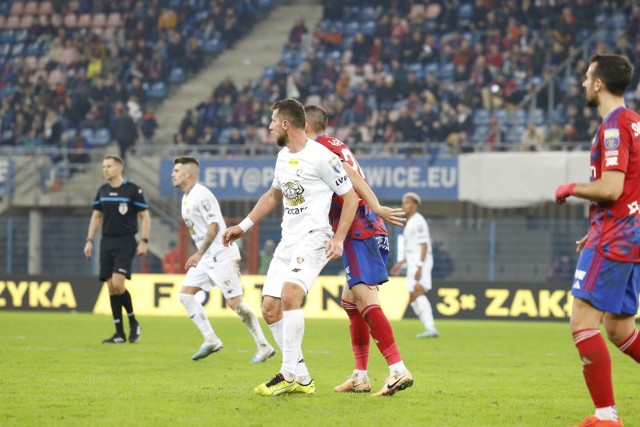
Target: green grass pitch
x=54 y=371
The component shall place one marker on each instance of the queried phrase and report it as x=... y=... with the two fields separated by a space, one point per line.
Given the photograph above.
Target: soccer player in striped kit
x=607 y=278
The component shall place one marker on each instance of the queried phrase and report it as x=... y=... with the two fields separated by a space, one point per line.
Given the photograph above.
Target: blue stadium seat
x=212 y=46
x=481 y=117
x=465 y=13
x=265 y=4
x=501 y=115
x=157 y=90
x=537 y=116
x=351 y=29
x=368 y=28
x=177 y=75
x=101 y=136
x=268 y=73
x=517 y=117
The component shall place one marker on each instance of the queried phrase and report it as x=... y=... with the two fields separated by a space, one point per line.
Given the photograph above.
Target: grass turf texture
x=55 y=371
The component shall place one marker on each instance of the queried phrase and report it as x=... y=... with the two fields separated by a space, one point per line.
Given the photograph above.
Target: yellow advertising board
x=157 y=295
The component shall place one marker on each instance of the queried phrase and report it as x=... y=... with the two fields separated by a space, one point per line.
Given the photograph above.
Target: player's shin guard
x=382 y=333
x=250 y=320
x=596 y=363
x=631 y=346
x=360 y=331
x=292 y=334
x=199 y=316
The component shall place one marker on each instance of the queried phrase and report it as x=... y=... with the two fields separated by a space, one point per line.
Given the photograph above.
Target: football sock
x=116 y=311
x=359 y=331
x=631 y=346
x=301 y=369
x=250 y=320
x=422 y=308
x=397 y=368
x=382 y=333
x=361 y=375
x=607 y=414
x=596 y=366
x=292 y=333
x=128 y=305
x=195 y=310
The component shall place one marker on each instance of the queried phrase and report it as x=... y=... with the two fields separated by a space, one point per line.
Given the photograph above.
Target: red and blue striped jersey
x=614 y=227
x=366 y=224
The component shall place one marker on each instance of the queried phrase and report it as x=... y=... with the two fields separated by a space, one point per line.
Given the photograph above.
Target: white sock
x=397 y=368
x=292 y=333
x=195 y=310
x=250 y=320
x=360 y=375
x=607 y=413
x=422 y=308
x=302 y=373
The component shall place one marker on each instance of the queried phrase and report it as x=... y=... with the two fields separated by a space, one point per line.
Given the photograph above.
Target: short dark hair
x=614 y=70
x=291 y=110
x=316 y=118
x=115 y=158
x=185 y=160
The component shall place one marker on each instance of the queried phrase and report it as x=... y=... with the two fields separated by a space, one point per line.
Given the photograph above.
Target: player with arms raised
x=607 y=279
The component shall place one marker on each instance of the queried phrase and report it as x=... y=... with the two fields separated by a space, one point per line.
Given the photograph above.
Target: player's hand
x=395 y=216
x=580 y=243
x=142 y=249
x=193 y=261
x=88 y=248
x=334 y=249
x=231 y=234
x=563 y=191
x=418 y=274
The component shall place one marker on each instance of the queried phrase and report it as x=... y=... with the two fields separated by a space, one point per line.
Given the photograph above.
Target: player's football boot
x=353 y=385
x=135 y=333
x=592 y=421
x=275 y=386
x=115 y=339
x=207 y=349
x=428 y=333
x=263 y=353
x=305 y=389
x=395 y=383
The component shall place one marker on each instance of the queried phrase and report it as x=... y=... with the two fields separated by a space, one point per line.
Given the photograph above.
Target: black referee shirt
x=120 y=207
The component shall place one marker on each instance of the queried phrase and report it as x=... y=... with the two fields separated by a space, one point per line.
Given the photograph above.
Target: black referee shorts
x=116 y=255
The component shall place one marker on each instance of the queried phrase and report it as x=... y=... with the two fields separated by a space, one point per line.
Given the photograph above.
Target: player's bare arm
x=394 y=216
x=94 y=225
x=212 y=232
x=606 y=189
x=336 y=244
x=580 y=243
x=267 y=202
x=145 y=229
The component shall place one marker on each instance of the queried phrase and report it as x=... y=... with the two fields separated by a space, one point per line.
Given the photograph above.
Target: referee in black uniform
x=118 y=206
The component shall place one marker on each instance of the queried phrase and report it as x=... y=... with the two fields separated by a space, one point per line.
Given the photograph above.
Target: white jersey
x=416 y=232
x=307 y=180
x=199 y=209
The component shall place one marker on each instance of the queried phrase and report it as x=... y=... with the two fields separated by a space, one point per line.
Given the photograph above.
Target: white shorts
x=425 y=280
x=223 y=274
x=303 y=265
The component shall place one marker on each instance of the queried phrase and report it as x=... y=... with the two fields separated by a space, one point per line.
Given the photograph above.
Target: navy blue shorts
x=610 y=286
x=365 y=261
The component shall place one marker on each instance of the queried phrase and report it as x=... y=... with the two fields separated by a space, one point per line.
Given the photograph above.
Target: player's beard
x=281 y=140
x=592 y=99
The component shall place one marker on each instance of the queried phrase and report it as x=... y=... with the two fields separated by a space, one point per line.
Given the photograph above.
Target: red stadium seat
x=46 y=8
x=70 y=20
x=13 y=22
x=17 y=8
x=99 y=20
x=31 y=8
x=114 y=20
x=84 y=21
x=56 y=20
x=43 y=20
x=26 y=21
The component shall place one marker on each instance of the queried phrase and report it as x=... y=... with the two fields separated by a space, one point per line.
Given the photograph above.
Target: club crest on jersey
x=336 y=165
x=299 y=260
x=292 y=191
x=611 y=139
x=123 y=208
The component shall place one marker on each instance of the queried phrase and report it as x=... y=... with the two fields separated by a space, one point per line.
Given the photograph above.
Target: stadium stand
x=471 y=74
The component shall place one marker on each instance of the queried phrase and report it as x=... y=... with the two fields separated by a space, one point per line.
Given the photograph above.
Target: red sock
x=596 y=366
x=382 y=333
x=631 y=346
x=359 y=335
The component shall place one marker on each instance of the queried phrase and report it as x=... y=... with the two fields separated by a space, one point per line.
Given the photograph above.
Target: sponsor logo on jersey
x=340 y=180
x=634 y=208
x=636 y=128
x=611 y=138
x=206 y=204
x=580 y=274
x=292 y=191
x=296 y=270
x=123 y=208
x=336 y=165
x=611 y=161
x=294 y=162
x=189 y=225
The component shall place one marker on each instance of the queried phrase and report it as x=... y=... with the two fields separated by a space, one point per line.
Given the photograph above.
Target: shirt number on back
x=348 y=157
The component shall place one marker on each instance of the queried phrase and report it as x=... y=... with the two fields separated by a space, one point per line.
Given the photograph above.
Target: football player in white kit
x=213 y=264
x=306 y=176
x=418 y=255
